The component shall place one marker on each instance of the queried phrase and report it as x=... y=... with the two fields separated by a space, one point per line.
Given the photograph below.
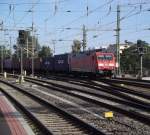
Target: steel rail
x=86 y=126
x=144 y=84
x=128 y=90
x=113 y=89
x=42 y=127
x=129 y=101
x=134 y=115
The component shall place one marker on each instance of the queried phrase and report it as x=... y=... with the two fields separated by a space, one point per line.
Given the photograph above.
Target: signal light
x=22 y=36
x=142 y=50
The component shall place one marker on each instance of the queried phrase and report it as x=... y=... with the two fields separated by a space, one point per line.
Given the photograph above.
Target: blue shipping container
x=7 y=64
x=61 y=63
x=48 y=64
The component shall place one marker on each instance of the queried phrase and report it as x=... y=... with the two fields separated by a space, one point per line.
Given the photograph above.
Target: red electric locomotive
x=93 y=62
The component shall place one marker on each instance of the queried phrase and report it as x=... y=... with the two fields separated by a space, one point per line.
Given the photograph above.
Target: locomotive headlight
x=111 y=64
x=100 y=64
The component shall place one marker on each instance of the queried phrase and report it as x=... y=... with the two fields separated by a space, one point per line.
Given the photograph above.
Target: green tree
x=76 y=47
x=45 y=51
x=130 y=59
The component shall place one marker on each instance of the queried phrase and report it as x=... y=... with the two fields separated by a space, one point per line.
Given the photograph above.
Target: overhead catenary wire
x=30 y=3
x=29 y=11
x=121 y=18
x=128 y=15
x=107 y=12
x=89 y=13
x=55 y=8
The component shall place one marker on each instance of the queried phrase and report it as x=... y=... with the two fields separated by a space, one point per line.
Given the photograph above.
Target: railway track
x=110 y=90
x=131 y=82
x=85 y=96
x=134 y=80
x=50 y=118
x=126 y=92
x=133 y=95
x=140 y=117
x=120 y=86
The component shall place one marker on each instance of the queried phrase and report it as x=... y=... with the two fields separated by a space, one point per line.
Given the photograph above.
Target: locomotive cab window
x=108 y=57
x=104 y=57
x=100 y=57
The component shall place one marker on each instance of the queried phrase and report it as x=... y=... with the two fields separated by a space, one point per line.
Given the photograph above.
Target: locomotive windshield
x=108 y=57
x=105 y=57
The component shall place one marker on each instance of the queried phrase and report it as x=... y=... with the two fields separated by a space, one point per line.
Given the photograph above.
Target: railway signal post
x=84 y=42
x=118 y=42
x=2 y=55
x=21 y=43
x=1 y=47
x=141 y=51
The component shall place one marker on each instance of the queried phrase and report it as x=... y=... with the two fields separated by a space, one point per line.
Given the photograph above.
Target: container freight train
x=87 y=63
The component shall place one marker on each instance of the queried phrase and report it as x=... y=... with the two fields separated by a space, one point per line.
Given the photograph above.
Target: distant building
x=123 y=46
x=112 y=47
x=102 y=49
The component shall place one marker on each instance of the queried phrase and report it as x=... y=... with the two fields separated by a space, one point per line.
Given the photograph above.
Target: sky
x=58 y=22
